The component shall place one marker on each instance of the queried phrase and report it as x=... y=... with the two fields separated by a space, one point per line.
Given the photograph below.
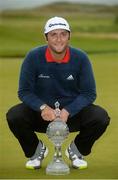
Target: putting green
x=102 y=162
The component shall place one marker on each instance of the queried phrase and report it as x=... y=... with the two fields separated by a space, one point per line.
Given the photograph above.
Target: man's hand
x=64 y=115
x=48 y=114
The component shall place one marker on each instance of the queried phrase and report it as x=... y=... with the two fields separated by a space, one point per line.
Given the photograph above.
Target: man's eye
x=54 y=34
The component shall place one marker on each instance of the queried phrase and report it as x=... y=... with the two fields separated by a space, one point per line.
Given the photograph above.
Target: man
x=57 y=72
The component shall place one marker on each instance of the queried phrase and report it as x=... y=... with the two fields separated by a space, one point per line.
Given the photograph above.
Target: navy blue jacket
x=42 y=82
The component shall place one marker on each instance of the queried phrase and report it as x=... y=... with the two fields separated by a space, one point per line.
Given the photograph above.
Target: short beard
x=56 y=52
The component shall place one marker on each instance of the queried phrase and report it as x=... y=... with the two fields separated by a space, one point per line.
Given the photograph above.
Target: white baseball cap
x=56 y=23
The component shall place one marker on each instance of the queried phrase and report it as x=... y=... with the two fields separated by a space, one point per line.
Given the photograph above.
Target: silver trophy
x=57 y=132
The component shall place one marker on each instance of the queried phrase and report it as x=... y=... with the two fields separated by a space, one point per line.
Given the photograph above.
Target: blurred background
x=94 y=25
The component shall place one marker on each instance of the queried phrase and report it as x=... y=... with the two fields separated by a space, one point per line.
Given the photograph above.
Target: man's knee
x=95 y=115
x=13 y=115
x=101 y=117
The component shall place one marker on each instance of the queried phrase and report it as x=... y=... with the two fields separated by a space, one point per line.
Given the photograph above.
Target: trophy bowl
x=57 y=132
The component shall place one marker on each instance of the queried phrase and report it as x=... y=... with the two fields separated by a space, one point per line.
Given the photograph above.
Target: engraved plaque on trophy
x=57 y=132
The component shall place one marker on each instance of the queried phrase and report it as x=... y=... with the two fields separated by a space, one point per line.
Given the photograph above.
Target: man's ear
x=46 y=37
x=69 y=36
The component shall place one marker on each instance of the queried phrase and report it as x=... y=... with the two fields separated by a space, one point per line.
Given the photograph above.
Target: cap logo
x=56 y=24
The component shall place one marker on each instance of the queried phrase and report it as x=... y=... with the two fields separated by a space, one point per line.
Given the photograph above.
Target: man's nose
x=58 y=38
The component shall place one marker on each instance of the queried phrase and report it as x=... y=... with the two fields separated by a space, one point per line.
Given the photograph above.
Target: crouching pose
x=50 y=73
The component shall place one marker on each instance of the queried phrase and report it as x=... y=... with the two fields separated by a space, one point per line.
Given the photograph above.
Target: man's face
x=58 y=40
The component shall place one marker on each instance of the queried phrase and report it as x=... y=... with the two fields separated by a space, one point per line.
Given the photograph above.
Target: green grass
x=94 y=28
x=102 y=162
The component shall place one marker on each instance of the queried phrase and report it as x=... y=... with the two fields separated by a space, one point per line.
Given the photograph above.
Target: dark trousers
x=90 y=122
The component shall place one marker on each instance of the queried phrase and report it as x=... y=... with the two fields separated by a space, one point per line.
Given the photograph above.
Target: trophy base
x=57 y=168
